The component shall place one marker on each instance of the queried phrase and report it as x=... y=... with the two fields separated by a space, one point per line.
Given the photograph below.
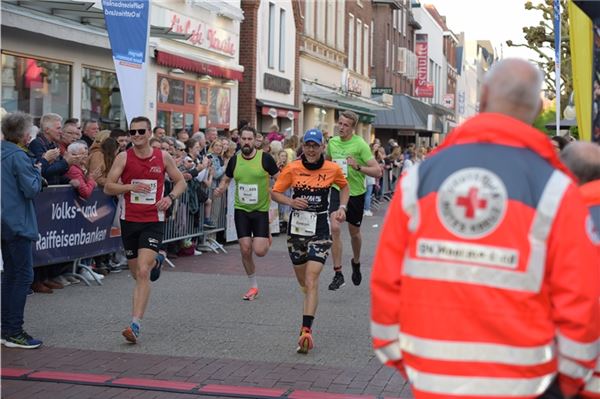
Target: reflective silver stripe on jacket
x=410 y=199
x=573 y=369
x=576 y=350
x=476 y=351
x=593 y=385
x=480 y=386
x=531 y=279
x=385 y=331
x=389 y=353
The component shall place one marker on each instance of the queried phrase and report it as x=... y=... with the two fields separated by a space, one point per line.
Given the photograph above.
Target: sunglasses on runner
x=134 y=132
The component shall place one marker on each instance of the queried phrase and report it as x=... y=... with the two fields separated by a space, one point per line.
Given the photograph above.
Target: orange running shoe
x=251 y=294
x=305 y=342
x=131 y=333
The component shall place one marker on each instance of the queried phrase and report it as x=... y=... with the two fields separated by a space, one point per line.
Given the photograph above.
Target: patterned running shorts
x=302 y=249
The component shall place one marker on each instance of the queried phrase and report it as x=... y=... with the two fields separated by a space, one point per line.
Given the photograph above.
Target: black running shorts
x=356 y=207
x=251 y=224
x=136 y=235
x=302 y=249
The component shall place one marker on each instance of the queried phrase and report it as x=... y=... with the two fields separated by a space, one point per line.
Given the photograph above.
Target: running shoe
x=338 y=281
x=251 y=294
x=22 y=340
x=131 y=333
x=155 y=272
x=305 y=342
x=356 y=275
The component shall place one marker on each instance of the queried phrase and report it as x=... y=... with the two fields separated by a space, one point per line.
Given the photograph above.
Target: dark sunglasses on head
x=134 y=132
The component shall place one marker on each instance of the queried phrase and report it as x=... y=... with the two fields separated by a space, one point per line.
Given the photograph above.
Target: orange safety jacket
x=485 y=283
x=591 y=196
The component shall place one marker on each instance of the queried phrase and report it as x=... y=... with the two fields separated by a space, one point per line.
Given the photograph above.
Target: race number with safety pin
x=144 y=198
x=304 y=223
x=343 y=163
x=248 y=193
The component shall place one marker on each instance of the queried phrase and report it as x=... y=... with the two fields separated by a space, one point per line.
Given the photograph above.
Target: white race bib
x=144 y=198
x=343 y=163
x=303 y=223
x=248 y=193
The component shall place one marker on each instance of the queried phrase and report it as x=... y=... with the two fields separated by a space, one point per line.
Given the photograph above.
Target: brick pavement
x=298 y=377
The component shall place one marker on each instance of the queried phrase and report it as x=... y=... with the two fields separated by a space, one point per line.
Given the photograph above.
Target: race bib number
x=248 y=193
x=144 y=198
x=343 y=163
x=304 y=223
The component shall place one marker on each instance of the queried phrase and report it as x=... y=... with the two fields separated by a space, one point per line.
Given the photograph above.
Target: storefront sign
x=375 y=91
x=448 y=101
x=277 y=83
x=127 y=26
x=423 y=88
x=354 y=85
x=71 y=227
x=202 y=34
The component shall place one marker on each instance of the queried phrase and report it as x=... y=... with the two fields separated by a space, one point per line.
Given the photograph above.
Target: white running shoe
x=368 y=213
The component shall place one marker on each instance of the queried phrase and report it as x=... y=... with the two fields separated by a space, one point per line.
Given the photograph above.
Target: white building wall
x=262 y=65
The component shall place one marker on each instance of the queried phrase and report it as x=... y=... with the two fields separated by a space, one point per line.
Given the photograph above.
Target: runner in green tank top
x=354 y=156
x=250 y=170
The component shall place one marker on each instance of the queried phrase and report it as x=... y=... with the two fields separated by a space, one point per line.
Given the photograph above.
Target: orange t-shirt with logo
x=313 y=185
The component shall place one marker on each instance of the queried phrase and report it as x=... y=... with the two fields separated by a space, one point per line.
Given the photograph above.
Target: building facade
x=59 y=60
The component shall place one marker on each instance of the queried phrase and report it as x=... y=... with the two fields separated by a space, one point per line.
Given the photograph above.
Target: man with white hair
x=485 y=282
x=45 y=147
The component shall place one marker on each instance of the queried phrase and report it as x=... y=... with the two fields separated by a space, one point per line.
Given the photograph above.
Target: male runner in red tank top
x=139 y=174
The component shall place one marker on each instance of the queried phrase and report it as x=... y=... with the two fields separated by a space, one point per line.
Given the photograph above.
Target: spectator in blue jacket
x=45 y=147
x=21 y=182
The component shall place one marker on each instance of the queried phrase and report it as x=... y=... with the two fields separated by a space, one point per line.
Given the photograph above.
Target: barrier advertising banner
x=423 y=88
x=127 y=26
x=71 y=227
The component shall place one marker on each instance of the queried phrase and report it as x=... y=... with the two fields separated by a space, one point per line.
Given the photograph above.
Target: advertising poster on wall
x=219 y=107
x=170 y=91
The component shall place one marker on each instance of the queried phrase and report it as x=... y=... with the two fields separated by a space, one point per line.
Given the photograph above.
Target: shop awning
x=325 y=97
x=191 y=65
x=276 y=109
x=408 y=113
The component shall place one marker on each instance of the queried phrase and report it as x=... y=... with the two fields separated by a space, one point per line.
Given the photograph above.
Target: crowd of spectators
x=81 y=154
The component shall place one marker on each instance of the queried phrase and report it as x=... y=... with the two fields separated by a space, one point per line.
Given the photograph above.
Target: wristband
x=172 y=197
x=344 y=207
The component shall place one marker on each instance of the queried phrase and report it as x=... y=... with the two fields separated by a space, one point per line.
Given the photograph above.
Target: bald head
x=583 y=159
x=512 y=87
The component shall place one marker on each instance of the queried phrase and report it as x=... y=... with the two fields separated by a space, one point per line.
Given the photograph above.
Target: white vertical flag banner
x=127 y=26
x=557 y=48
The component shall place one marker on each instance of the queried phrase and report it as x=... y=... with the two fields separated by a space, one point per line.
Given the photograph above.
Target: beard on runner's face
x=247 y=149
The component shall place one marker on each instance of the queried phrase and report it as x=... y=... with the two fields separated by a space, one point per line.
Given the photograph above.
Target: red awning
x=176 y=61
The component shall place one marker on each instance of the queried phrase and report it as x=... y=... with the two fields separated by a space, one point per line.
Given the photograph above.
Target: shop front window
x=35 y=86
x=101 y=98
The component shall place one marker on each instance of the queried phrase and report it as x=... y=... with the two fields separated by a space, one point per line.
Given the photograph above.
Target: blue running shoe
x=155 y=272
x=22 y=340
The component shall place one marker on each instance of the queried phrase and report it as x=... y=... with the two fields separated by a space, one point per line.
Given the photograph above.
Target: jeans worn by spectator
x=17 y=277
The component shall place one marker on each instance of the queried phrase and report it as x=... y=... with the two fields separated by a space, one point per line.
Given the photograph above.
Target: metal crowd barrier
x=219 y=218
x=387 y=189
x=182 y=223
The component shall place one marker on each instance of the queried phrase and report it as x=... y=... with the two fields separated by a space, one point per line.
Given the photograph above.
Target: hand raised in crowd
x=75 y=183
x=70 y=158
x=51 y=155
x=187 y=176
x=339 y=215
x=217 y=192
x=140 y=188
x=299 y=203
x=204 y=164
